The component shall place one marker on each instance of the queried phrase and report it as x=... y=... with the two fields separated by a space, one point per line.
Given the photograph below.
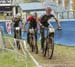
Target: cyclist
x=32 y=19
x=17 y=28
x=44 y=23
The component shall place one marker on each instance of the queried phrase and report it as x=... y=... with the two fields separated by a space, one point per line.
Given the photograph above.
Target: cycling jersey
x=17 y=27
x=16 y=22
x=32 y=21
x=45 y=18
x=32 y=24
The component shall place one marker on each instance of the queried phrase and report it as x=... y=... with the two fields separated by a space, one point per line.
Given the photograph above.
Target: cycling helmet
x=48 y=8
x=18 y=15
x=34 y=14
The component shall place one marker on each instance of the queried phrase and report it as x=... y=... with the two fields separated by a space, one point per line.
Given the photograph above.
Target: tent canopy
x=31 y=7
x=36 y=6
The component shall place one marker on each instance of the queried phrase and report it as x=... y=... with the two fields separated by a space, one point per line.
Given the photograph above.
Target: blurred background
x=64 y=9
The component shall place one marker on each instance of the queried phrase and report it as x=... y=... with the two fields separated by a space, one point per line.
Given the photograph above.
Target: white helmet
x=18 y=15
x=34 y=14
x=48 y=8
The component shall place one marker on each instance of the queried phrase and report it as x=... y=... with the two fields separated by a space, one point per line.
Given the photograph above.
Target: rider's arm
x=24 y=24
x=20 y=22
x=58 y=22
x=28 y=19
x=56 y=19
x=39 y=21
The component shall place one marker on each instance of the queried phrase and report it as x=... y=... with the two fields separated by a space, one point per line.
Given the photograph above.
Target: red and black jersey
x=32 y=21
x=30 y=18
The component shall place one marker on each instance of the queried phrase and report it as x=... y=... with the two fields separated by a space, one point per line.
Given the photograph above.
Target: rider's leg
x=14 y=33
x=19 y=37
x=28 y=37
x=42 y=38
x=45 y=49
x=16 y=37
x=20 y=33
x=18 y=44
x=36 y=41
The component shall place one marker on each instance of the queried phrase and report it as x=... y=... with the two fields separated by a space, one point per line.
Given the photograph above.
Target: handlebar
x=51 y=29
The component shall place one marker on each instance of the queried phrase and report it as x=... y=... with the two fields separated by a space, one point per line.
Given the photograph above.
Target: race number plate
x=51 y=30
x=17 y=28
x=31 y=30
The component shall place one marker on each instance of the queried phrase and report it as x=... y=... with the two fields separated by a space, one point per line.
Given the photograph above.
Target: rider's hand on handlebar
x=42 y=26
x=46 y=28
x=59 y=28
x=23 y=30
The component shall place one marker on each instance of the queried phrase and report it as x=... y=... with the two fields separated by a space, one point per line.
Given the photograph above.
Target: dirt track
x=63 y=57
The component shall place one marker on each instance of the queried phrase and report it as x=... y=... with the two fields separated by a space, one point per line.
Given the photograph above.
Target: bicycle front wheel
x=31 y=42
x=50 y=47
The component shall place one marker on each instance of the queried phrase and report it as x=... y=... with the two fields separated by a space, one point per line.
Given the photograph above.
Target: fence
x=66 y=14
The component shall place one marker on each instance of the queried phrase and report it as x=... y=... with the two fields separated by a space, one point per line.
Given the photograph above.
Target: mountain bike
x=33 y=40
x=17 y=36
x=49 y=43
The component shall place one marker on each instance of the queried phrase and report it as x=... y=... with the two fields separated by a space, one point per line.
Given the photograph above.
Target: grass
x=8 y=58
x=64 y=56
x=2 y=17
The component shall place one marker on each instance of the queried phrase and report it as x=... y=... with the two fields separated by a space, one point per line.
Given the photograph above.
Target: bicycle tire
x=35 y=47
x=50 y=48
x=18 y=37
x=30 y=42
